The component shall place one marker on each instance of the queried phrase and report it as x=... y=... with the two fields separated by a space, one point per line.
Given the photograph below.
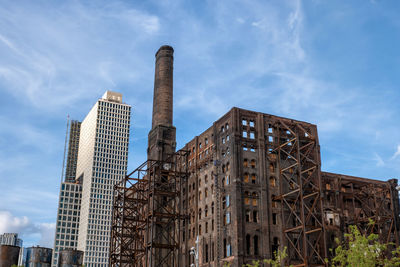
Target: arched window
x=205 y=193
x=206 y=211
x=255 y=197
x=255 y=216
x=212 y=208
x=253 y=178
x=223 y=202
x=246 y=198
x=248 y=244
x=247 y=216
x=199 y=214
x=255 y=239
x=253 y=163
x=272 y=181
x=271 y=168
x=246 y=177
x=245 y=163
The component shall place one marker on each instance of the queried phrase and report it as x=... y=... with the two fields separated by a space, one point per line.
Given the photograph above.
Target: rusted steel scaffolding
x=147 y=214
x=298 y=161
x=369 y=204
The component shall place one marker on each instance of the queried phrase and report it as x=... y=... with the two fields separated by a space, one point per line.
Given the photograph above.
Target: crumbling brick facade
x=238 y=208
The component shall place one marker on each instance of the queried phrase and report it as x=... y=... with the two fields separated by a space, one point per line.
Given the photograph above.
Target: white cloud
x=379 y=160
x=240 y=20
x=397 y=153
x=26 y=229
x=12 y=224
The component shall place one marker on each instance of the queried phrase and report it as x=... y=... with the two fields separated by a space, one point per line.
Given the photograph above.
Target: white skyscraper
x=102 y=162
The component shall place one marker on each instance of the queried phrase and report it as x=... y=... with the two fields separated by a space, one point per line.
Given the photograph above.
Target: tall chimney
x=163 y=87
x=162 y=136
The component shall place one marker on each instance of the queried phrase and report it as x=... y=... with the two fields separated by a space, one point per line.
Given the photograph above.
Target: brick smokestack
x=162 y=136
x=163 y=87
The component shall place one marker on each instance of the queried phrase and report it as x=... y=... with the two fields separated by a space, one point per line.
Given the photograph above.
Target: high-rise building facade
x=10 y=239
x=73 y=146
x=69 y=202
x=102 y=162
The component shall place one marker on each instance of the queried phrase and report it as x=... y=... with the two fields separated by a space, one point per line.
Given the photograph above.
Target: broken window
x=254 y=196
x=253 y=163
x=227 y=126
x=246 y=178
x=274 y=218
x=248 y=244
x=272 y=181
x=200 y=229
x=246 y=198
x=247 y=216
x=253 y=178
x=205 y=193
x=206 y=141
x=225 y=248
x=227 y=218
x=255 y=216
x=245 y=163
x=274 y=203
x=270 y=139
x=328 y=186
x=255 y=239
x=199 y=145
x=199 y=213
x=206 y=211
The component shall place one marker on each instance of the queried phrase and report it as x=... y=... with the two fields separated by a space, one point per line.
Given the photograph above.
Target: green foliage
x=279 y=257
x=359 y=250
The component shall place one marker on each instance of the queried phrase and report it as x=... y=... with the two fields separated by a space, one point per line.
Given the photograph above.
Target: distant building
x=102 y=162
x=10 y=239
x=69 y=203
x=97 y=159
x=38 y=257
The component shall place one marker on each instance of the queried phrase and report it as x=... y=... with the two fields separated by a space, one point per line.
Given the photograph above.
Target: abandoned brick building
x=247 y=186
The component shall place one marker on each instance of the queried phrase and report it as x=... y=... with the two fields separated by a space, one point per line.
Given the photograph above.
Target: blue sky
x=332 y=63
